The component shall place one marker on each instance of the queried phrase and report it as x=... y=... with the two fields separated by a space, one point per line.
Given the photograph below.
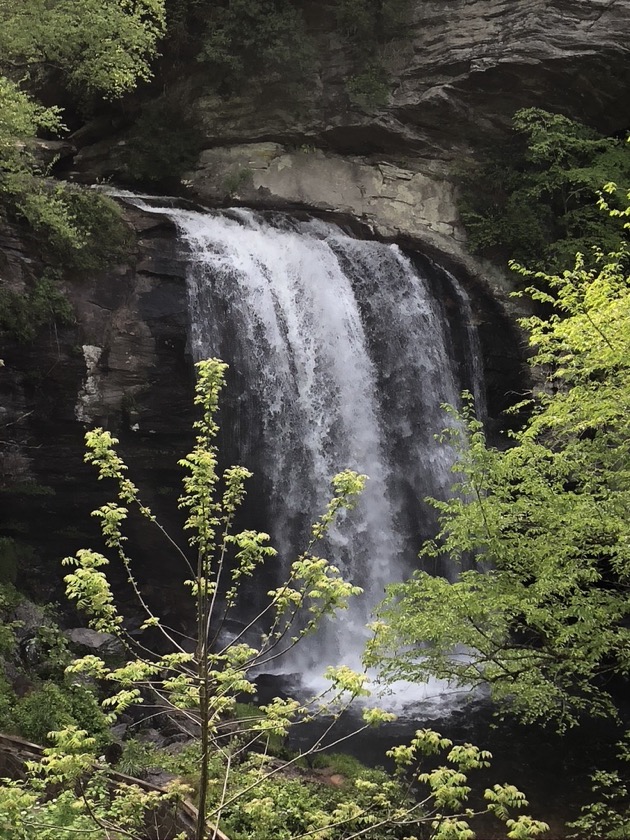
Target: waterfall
x=341 y=354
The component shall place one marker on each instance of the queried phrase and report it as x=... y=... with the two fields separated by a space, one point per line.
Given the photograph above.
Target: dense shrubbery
x=544 y=618
x=95 y=48
x=534 y=199
x=22 y=315
x=48 y=699
x=546 y=615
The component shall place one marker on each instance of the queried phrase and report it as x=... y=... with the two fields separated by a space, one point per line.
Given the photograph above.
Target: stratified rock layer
x=457 y=77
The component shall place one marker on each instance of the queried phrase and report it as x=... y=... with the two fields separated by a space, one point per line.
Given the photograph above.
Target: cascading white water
x=343 y=353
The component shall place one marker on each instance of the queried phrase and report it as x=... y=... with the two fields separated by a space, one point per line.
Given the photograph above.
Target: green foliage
x=534 y=198
x=92 y=808
x=99 y=45
x=102 y=236
x=22 y=190
x=7 y=704
x=83 y=229
x=10 y=555
x=544 y=618
x=236 y=179
x=369 y=89
x=248 y=38
x=20 y=119
x=163 y=143
x=367 y=26
x=202 y=686
x=52 y=706
x=347 y=765
x=22 y=316
x=53 y=702
x=260 y=802
x=138 y=757
x=8 y=601
x=369 y=22
x=236 y=781
x=609 y=815
x=286 y=808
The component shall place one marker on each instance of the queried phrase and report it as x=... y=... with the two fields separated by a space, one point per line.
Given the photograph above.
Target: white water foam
x=345 y=360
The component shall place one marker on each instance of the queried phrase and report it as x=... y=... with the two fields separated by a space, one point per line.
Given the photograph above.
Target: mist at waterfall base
x=341 y=354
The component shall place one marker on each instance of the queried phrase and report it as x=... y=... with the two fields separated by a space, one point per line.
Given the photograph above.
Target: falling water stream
x=345 y=357
x=341 y=353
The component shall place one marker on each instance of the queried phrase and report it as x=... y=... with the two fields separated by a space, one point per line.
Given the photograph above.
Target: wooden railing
x=15 y=752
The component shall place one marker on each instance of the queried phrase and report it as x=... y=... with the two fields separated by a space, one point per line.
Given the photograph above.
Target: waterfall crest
x=342 y=352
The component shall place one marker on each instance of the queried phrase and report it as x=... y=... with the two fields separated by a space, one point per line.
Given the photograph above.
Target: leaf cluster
x=245 y=38
x=242 y=777
x=368 y=27
x=48 y=699
x=103 y=46
x=23 y=315
x=543 y=616
x=533 y=199
x=94 y=48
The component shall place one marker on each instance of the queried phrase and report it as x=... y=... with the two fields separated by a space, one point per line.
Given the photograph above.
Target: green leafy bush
x=23 y=315
x=247 y=38
x=102 y=236
x=534 y=199
x=138 y=756
x=98 y=48
x=367 y=26
x=285 y=808
x=369 y=89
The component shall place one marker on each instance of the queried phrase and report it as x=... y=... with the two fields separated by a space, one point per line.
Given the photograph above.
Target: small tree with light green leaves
x=201 y=686
x=238 y=782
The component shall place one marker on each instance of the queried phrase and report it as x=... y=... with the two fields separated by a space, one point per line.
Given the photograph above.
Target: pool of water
x=552 y=770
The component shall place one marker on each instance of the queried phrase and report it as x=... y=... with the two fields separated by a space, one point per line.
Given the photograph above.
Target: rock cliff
x=122 y=364
x=457 y=77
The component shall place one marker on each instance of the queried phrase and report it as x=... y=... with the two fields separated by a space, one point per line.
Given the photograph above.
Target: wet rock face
x=457 y=77
x=121 y=365
x=473 y=63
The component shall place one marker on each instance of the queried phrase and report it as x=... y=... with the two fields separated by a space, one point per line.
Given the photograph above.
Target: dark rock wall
x=462 y=69
x=457 y=77
x=122 y=365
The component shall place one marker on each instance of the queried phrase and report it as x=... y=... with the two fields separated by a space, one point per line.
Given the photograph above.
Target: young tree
x=198 y=681
x=543 y=619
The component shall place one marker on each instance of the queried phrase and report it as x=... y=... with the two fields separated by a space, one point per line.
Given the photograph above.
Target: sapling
x=199 y=682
